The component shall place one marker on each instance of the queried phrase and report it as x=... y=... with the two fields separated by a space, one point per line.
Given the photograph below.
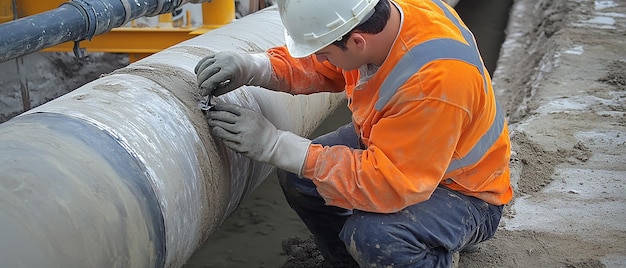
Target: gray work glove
x=251 y=134
x=222 y=72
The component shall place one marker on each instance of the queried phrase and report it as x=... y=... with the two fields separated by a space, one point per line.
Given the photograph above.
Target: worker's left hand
x=251 y=134
x=222 y=72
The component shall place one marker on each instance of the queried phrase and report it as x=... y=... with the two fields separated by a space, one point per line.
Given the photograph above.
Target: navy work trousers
x=421 y=235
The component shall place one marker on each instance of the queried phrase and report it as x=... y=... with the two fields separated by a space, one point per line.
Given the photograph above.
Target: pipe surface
x=76 y=20
x=123 y=172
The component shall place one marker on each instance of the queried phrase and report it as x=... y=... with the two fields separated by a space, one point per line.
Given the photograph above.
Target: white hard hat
x=311 y=25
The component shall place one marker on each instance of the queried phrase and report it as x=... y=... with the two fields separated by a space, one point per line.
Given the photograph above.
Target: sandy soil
x=561 y=78
x=47 y=76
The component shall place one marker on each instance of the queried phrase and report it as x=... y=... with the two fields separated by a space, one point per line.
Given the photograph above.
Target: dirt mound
x=46 y=76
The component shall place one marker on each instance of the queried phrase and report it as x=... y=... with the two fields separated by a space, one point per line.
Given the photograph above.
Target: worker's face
x=344 y=59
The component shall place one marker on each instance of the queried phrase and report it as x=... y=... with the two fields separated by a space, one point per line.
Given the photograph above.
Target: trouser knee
x=297 y=189
x=372 y=242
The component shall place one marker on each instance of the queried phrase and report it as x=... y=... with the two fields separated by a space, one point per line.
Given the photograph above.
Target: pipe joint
x=150 y=8
x=99 y=16
x=89 y=13
x=199 y=1
x=166 y=6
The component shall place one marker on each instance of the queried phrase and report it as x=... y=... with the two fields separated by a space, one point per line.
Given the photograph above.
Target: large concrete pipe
x=122 y=172
x=76 y=20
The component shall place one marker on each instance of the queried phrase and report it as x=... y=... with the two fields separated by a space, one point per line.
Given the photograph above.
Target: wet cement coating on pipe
x=76 y=161
x=183 y=86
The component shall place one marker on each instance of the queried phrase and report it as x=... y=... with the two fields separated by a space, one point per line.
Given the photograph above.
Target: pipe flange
x=157 y=11
x=90 y=13
x=127 y=9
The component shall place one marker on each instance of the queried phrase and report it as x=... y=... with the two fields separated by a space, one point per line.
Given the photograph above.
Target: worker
x=420 y=173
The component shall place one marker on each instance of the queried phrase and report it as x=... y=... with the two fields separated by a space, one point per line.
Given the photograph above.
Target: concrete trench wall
x=122 y=172
x=560 y=78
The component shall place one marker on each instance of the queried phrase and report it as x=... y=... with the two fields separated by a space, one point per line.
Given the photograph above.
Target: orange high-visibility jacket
x=427 y=117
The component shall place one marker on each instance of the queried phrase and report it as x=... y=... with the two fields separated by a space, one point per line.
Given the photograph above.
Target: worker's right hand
x=251 y=134
x=222 y=72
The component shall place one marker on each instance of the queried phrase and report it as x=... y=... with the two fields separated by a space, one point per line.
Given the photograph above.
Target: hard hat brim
x=300 y=50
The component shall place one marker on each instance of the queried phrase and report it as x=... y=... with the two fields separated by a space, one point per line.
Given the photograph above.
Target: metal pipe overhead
x=76 y=20
x=123 y=172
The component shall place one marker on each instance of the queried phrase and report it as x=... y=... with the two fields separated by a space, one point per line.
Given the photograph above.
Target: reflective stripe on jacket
x=428 y=116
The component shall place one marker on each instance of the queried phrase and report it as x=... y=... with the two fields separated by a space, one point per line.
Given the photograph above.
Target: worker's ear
x=358 y=42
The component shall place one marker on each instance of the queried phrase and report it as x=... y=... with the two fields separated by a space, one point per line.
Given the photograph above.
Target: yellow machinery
x=137 y=42
x=6 y=10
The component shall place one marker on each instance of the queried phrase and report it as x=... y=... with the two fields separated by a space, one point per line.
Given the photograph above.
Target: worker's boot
x=456 y=256
x=471 y=248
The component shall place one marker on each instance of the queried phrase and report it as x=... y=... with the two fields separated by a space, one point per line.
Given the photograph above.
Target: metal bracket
x=78 y=52
x=205 y=104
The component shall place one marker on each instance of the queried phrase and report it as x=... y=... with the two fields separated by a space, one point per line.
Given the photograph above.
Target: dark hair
x=375 y=24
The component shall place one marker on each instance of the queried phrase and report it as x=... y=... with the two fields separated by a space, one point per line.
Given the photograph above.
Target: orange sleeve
x=295 y=76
